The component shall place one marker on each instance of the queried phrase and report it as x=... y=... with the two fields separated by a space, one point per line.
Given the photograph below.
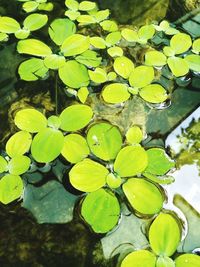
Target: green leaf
x=111 y=76
x=87 y=6
x=11 y=188
x=155 y=58
x=75 y=117
x=33 y=47
x=3 y=165
x=47 y=145
x=141 y=76
x=104 y=140
x=113 y=38
x=35 y=21
x=75 y=44
x=3 y=37
x=30 y=120
x=153 y=93
x=101 y=15
x=134 y=135
x=18 y=144
x=86 y=20
x=46 y=6
x=193 y=62
x=159 y=163
x=72 y=4
x=54 y=62
x=115 y=93
x=32 y=69
x=89 y=58
x=54 y=122
x=82 y=94
x=60 y=29
x=22 y=34
x=113 y=181
x=72 y=15
x=109 y=25
x=130 y=35
x=180 y=43
x=19 y=165
x=168 y=51
x=98 y=42
x=178 y=66
x=107 y=210
x=74 y=74
x=88 y=175
x=123 y=66
x=165 y=262
x=139 y=258
x=75 y=148
x=196 y=46
x=164 y=235
x=146 y=32
x=130 y=161
x=144 y=196
x=8 y=25
x=188 y=260
x=30 y=6
x=98 y=75
x=115 y=51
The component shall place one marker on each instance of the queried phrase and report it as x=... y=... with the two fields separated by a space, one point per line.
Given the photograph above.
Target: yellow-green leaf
x=8 y=25
x=33 y=47
x=153 y=93
x=123 y=66
x=180 y=43
x=140 y=258
x=115 y=93
x=75 y=45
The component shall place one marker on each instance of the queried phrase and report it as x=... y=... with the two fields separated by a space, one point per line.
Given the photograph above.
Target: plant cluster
x=89 y=52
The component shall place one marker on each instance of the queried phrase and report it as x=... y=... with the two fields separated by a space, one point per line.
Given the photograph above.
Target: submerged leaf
x=139 y=258
x=88 y=176
x=106 y=207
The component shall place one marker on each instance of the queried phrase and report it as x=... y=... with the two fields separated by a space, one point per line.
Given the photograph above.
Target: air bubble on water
x=160 y=106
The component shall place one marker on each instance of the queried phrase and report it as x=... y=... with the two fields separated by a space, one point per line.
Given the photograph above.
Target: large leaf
x=8 y=25
x=131 y=160
x=105 y=140
x=75 y=45
x=60 y=29
x=74 y=74
x=144 y=196
x=88 y=175
x=123 y=66
x=164 y=235
x=47 y=145
x=139 y=258
x=11 y=188
x=35 y=21
x=115 y=93
x=18 y=165
x=49 y=203
x=180 y=43
x=188 y=260
x=75 y=117
x=32 y=69
x=106 y=208
x=153 y=93
x=30 y=120
x=159 y=163
x=75 y=148
x=141 y=76
x=33 y=47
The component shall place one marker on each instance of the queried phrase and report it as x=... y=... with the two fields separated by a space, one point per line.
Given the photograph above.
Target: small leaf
x=180 y=43
x=22 y=34
x=86 y=20
x=104 y=140
x=178 y=66
x=33 y=47
x=8 y=25
x=106 y=208
x=139 y=258
x=146 y=32
x=72 y=4
x=113 y=38
x=88 y=175
x=75 y=148
x=75 y=44
x=54 y=122
x=109 y=26
x=32 y=69
x=102 y=15
x=193 y=62
x=141 y=76
x=113 y=181
x=112 y=76
x=30 y=6
x=54 y=61
x=72 y=15
x=165 y=262
x=98 y=42
x=46 y=6
x=87 y=6
x=153 y=93
x=74 y=74
x=3 y=37
x=19 y=165
x=164 y=235
x=60 y=29
x=196 y=46
x=47 y=145
x=123 y=66
x=188 y=260
x=98 y=75
x=115 y=93
x=134 y=135
x=130 y=161
x=159 y=163
x=30 y=120
x=130 y=35
x=144 y=196
x=82 y=94
x=168 y=51
x=89 y=58
x=155 y=58
x=35 y=21
x=11 y=188
x=18 y=144
x=3 y=165
x=115 y=51
x=75 y=117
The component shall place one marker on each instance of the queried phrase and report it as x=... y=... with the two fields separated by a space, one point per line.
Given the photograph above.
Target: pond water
x=53 y=243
